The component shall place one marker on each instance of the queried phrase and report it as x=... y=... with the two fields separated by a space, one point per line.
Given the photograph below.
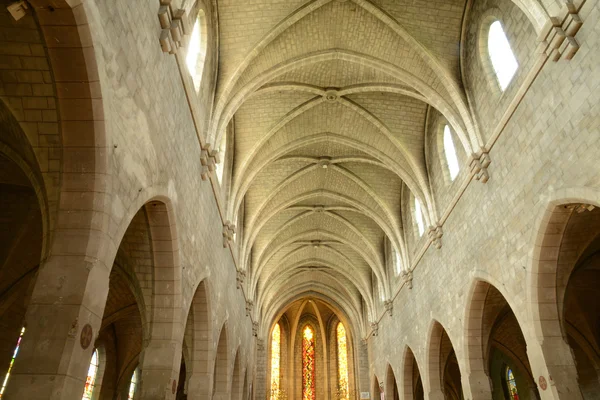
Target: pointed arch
x=220 y=373
x=198 y=338
x=236 y=388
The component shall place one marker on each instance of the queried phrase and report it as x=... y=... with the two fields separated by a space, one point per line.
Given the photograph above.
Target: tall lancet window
x=12 y=361
x=342 y=353
x=450 y=152
x=419 y=217
x=308 y=364
x=503 y=59
x=275 y=361
x=90 y=381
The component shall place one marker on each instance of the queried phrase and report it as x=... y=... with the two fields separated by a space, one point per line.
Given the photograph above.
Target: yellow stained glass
x=342 y=348
x=308 y=364
x=12 y=361
x=275 y=361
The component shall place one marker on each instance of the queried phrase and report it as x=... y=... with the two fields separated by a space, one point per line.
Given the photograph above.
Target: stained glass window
x=275 y=361
x=512 y=384
x=308 y=364
x=503 y=59
x=342 y=350
x=91 y=377
x=12 y=361
x=132 y=385
x=450 y=152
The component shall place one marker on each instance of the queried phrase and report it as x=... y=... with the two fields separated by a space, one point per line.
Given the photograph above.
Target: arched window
x=194 y=60
x=308 y=364
x=275 y=361
x=419 y=217
x=12 y=361
x=511 y=384
x=220 y=167
x=342 y=353
x=91 y=377
x=132 y=385
x=503 y=59
x=397 y=261
x=450 y=152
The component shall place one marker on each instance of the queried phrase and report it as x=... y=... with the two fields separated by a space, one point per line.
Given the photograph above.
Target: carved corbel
x=239 y=278
x=249 y=306
x=374 y=328
x=389 y=307
x=557 y=38
x=174 y=27
x=209 y=159
x=479 y=166
x=407 y=277
x=435 y=234
x=228 y=233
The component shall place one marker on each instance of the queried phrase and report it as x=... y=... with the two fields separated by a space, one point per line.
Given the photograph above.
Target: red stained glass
x=308 y=364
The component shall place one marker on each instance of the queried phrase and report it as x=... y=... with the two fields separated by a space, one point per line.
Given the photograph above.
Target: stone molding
x=389 y=307
x=239 y=278
x=435 y=233
x=557 y=38
x=228 y=232
x=174 y=27
x=208 y=158
x=479 y=166
x=374 y=328
x=407 y=277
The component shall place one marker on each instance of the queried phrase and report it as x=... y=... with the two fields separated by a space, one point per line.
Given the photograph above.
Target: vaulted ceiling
x=327 y=103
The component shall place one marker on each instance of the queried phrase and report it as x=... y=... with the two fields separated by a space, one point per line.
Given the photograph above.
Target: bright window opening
x=419 y=217
x=12 y=362
x=91 y=377
x=192 y=59
x=381 y=291
x=275 y=362
x=308 y=364
x=397 y=262
x=342 y=350
x=132 y=385
x=220 y=167
x=450 y=152
x=512 y=384
x=503 y=59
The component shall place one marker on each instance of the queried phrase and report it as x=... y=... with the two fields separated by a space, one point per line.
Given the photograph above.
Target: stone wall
x=547 y=152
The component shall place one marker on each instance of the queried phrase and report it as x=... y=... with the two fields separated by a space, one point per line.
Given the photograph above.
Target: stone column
x=553 y=369
x=261 y=388
x=199 y=386
x=159 y=364
x=68 y=299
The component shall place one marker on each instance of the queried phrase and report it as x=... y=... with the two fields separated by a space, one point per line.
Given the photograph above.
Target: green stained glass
x=12 y=361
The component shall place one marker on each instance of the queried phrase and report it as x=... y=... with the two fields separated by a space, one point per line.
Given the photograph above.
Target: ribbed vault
x=326 y=103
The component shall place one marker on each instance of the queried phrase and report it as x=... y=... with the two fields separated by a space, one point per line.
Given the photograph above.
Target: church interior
x=300 y=199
